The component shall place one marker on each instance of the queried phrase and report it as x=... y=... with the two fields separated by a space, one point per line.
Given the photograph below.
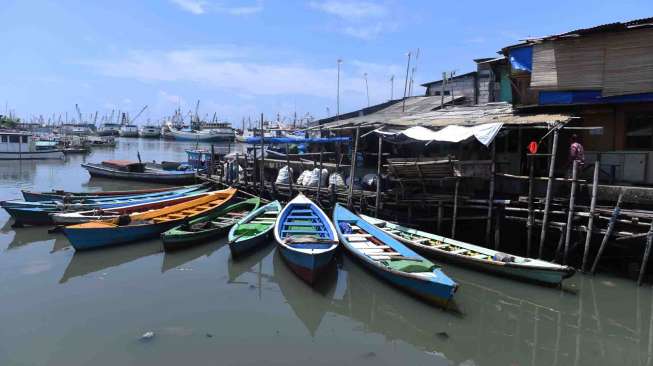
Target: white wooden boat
x=128 y=131
x=150 y=132
x=474 y=256
x=21 y=146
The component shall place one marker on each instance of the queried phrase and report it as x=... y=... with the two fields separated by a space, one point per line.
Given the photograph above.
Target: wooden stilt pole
x=497 y=229
x=608 y=232
x=549 y=185
x=237 y=169
x=262 y=156
x=570 y=214
x=378 y=179
x=490 y=201
x=647 y=253
x=454 y=216
x=352 y=171
x=590 y=223
x=319 y=183
x=531 y=218
x=290 y=175
x=440 y=214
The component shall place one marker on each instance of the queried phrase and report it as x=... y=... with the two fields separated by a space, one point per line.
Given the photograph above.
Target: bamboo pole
x=378 y=179
x=529 y=223
x=608 y=232
x=488 y=225
x=547 y=202
x=352 y=171
x=454 y=216
x=647 y=253
x=590 y=223
x=319 y=183
x=570 y=215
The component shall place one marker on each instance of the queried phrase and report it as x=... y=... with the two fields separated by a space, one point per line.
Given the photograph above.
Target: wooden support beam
x=647 y=253
x=570 y=215
x=454 y=216
x=529 y=223
x=488 y=225
x=590 y=222
x=615 y=214
x=319 y=183
x=378 y=179
x=352 y=171
x=262 y=155
x=290 y=174
x=549 y=185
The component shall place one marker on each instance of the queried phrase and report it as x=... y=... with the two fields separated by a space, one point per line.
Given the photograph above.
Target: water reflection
x=236 y=267
x=85 y=262
x=178 y=258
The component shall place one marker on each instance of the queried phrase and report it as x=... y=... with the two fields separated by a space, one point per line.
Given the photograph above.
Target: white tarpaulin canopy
x=484 y=133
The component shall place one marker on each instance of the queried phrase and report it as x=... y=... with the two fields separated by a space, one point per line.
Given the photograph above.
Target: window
x=24 y=139
x=14 y=138
x=437 y=93
x=4 y=138
x=639 y=131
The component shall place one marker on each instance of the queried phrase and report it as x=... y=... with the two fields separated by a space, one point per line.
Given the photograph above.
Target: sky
x=241 y=58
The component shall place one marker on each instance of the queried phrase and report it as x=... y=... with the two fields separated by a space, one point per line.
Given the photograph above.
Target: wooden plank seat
x=349 y=236
x=302 y=224
x=299 y=231
x=302 y=217
x=458 y=251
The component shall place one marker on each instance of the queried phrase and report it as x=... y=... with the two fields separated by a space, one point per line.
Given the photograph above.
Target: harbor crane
x=131 y=122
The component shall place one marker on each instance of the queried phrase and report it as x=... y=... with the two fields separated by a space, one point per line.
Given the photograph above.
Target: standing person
x=576 y=153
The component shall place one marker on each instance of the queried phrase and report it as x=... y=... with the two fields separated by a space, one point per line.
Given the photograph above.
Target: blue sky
x=241 y=58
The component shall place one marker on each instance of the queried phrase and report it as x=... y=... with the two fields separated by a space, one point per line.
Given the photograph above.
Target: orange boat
x=145 y=225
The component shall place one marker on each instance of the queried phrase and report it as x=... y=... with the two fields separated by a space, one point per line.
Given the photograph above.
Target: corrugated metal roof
x=453 y=78
x=414 y=105
x=455 y=115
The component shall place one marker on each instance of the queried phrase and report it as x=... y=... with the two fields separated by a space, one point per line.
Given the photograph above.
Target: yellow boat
x=144 y=225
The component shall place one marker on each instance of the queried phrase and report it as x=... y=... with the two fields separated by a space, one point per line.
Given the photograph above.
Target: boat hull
x=168 y=178
x=34 y=155
x=104 y=237
x=242 y=247
x=30 y=216
x=202 y=137
x=177 y=242
x=307 y=266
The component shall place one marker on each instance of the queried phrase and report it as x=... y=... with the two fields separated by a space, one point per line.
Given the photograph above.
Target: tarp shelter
x=297 y=140
x=484 y=133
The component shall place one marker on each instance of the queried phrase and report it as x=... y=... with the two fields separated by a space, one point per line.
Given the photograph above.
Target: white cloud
x=360 y=19
x=196 y=7
x=350 y=9
x=199 y=7
x=238 y=73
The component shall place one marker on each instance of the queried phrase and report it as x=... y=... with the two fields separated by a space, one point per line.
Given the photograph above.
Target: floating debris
x=442 y=335
x=147 y=336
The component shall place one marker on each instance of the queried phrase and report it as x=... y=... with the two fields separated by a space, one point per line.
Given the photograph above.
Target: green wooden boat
x=207 y=227
x=254 y=229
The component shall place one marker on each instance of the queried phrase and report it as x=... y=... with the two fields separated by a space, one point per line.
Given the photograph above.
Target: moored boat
x=254 y=230
x=144 y=172
x=98 y=214
x=149 y=132
x=146 y=225
x=391 y=260
x=474 y=256
x=207 y=227
x=128 y=131
x=54 y=195
x=22 y=146
x=306 y=237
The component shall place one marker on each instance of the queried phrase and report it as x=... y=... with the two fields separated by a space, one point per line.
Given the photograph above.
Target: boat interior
x=303 y=228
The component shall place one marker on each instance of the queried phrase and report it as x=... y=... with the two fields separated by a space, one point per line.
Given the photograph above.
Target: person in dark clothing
x=576 y=153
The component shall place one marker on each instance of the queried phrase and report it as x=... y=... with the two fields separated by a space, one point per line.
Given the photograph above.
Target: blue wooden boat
x=144 y=225
x=476 y=257
x=254 y=230
x=306 y=237
x=61 y=195
x=39 y=213
x=391 y=260
x=142 y=172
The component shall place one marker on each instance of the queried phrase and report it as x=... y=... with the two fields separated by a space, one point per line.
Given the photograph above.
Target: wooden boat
x=207 y=227
x=60 y=195
x=482 y=259
x=144 y=172
x=306 y=237
x=125 y=229
x=391 y=260
x=253 y=230
x=39 y=213
x=98 y=214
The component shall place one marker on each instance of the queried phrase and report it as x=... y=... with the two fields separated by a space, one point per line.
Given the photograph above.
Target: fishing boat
x=21 y=146
x=254 y=230
x=99 y=214
x=60 y=195
x=128 y=131
x=306 y=237
x=109 y=129
x=474 y=256
x=39 y=213
x=150 y=132
x=204 y=135
x=388 y=258
x=144 y=172
x=207 y=227
x=145 y=225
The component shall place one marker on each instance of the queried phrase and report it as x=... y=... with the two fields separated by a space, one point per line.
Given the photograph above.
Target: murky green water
x=58 y=307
